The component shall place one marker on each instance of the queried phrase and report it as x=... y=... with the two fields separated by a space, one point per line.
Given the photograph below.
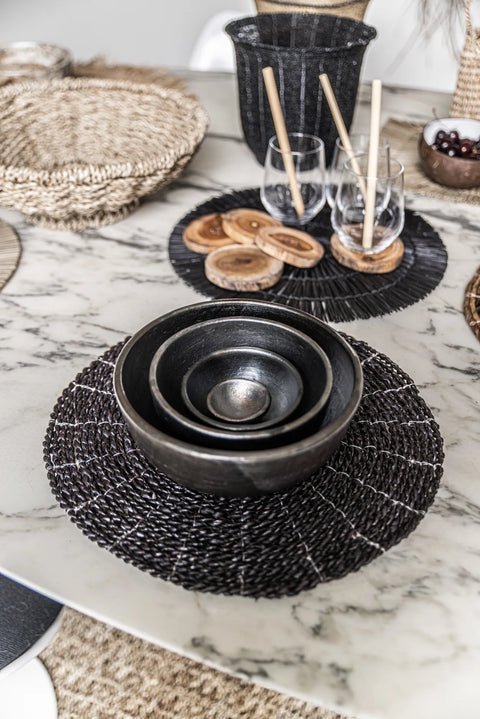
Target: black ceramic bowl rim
x=253 y=435
x=243 y=457
x=368 y=33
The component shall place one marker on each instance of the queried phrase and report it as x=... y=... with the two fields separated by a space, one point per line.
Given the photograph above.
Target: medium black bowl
x=175 y=357
x=230 y=472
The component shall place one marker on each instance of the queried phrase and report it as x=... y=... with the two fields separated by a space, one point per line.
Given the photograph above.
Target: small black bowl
x=243 y=388
x=236 y=472
x=175 y=358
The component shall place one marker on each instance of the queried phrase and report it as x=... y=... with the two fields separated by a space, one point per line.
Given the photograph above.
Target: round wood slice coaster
x=378 y=264
x=206 y=234
x=242 y=224
x=244 y=268
x=294 y=247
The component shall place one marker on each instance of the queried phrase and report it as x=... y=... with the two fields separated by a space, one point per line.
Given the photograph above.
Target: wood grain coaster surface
x=244 y=268
x=379 y=264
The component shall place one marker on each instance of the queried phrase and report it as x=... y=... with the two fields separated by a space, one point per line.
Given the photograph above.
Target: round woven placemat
x=10 y=251
x=329 y=291
x=471 y=305
x=371 y=494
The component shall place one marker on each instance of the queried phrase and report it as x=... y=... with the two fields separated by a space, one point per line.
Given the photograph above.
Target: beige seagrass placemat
x=10 y=251
x=403 y=138
x=102 y=673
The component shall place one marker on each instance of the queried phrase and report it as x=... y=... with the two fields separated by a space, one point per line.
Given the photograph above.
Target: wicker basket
x=466 y=100
x=345 y=8
x=78 y=153
x=21 y=61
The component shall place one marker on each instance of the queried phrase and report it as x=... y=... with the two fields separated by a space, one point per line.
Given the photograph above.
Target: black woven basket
x=298 y=47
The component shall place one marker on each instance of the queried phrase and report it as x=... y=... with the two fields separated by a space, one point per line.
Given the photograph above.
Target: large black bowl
x=230 y=472
x=176 y=356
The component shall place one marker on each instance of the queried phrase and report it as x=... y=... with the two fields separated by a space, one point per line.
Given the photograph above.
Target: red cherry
x=465 y=148
x=440 y=136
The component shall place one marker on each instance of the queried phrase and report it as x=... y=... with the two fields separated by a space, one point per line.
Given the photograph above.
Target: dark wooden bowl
x=457 y=172
x=230 y=472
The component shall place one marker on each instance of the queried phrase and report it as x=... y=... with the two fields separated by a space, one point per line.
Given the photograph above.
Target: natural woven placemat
x=471 y=304
x=102 y=673
x=403 y=137
x=369 y=495
x=329 y=291
x=10 y=252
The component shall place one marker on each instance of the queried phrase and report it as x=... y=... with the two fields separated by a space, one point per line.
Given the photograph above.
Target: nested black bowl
x=242 y=388
x=175 y=358
x=232 y=472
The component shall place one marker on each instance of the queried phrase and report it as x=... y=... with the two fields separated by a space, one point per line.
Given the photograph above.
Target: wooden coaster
x=206 y=234
x=294 y=247
x=242 y=224
x=378 y=264
x=244 y=268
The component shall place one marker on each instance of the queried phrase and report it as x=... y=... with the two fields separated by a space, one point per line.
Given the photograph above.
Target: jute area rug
x=99 y=672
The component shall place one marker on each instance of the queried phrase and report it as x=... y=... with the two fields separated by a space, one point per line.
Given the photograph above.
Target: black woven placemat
x=371 y=494
x=329 y=291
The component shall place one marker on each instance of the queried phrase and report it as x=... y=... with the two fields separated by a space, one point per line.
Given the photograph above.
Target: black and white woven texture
x=370 y=495
x=329 y=291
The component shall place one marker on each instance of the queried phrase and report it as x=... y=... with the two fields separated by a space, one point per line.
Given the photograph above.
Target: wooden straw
x=341 y=129
x=282 y=136
x=368 y=220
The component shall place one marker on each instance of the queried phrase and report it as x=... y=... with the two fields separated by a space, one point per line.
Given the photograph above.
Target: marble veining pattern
x=400 y=638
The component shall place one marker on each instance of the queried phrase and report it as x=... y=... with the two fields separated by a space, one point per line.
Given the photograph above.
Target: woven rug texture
x=100 y=673
x=403 y=138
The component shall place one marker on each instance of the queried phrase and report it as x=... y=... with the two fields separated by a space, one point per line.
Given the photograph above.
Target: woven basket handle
x=468 y=14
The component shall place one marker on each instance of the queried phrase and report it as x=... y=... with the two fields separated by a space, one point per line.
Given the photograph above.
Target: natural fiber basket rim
x=369 y=34
x=83 y=173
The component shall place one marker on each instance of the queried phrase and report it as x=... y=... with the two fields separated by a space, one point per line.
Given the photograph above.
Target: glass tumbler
x=389 y=210
x=308 y=153
x=334 y=173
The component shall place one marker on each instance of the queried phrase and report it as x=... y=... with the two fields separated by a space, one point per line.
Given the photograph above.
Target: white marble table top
x=400 y=638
